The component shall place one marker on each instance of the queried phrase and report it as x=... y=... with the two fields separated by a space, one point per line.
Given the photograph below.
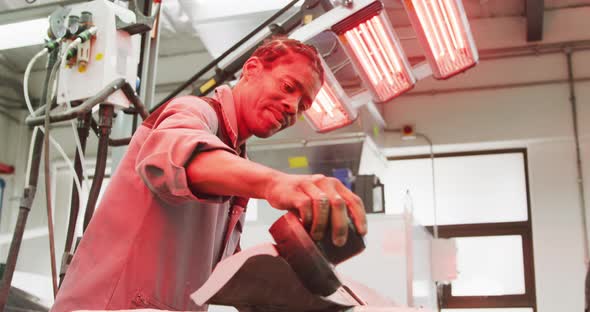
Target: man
x=173 y=208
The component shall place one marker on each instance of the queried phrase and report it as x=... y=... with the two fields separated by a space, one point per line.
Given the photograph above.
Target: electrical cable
x=434 y=213
x=47 y=163
x=51 y=138
x=81 y=38
x=427 y=139
x=27 y=199
x=59 y=149
x=82 y=109
x=26 y=79
x=435 y=221
x=101 y=160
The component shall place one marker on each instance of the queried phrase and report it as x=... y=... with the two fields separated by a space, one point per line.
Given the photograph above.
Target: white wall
x=14 y=140
x=6 y=156
x=536 y=117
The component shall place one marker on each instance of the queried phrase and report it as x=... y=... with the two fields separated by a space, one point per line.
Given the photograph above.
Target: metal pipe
x=119 y=142
x=83 y=131
x=47 y=176
x=524 y=51
x=580 y=177
x=133 y=126
x=28 y=197
x=2 y=186
x=435 y=213
x=287 y=143
x=135 y=100
x=429 y=141
x=105 y=124
x=145 y=50
x=534 y=50
x=23 y=213
x=152 y=47
x=112 y=142
x=434 y=205
x=40 y=111
x=494 y=87
x=138 y=107
x=222 y=56
x=82 y=109
x=566 y=6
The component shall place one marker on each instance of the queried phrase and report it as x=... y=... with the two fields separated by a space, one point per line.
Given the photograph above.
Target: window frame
x=521 y=228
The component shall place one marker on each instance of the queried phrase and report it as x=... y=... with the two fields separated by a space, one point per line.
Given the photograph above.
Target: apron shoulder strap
x=238 y=204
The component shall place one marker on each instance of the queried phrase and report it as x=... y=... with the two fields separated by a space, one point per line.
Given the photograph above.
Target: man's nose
x=291 y=105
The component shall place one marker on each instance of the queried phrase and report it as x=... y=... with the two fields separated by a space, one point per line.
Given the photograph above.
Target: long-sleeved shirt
x=152 y=242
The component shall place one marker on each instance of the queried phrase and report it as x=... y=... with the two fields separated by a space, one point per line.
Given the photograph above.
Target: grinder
x=313 y=262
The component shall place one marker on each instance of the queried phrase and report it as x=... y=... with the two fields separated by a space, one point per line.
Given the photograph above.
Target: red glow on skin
x=269 y=100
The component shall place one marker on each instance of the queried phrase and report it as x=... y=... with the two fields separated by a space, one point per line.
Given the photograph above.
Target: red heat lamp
x=443 y=31
x=375 y=51
x=330 y=109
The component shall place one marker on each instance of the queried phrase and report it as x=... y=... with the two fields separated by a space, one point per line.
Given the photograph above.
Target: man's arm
x=317 y=198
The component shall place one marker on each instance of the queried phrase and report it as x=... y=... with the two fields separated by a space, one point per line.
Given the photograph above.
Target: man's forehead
x=304 y=74
x=298 y=68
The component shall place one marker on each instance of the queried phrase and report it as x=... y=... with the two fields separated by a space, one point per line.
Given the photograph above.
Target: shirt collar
x=224 y=95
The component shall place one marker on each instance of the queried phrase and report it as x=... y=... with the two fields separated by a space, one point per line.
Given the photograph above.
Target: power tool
x=313 y=262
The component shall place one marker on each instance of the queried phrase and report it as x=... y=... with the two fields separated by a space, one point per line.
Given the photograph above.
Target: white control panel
x=110 y=55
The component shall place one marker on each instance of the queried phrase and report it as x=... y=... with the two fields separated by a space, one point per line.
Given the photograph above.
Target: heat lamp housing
x=444 y=33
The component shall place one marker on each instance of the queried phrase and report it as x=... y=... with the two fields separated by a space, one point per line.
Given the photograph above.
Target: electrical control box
x=110 y=55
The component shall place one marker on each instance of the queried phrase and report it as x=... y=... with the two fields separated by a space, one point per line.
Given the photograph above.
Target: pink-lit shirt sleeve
x=186 y=127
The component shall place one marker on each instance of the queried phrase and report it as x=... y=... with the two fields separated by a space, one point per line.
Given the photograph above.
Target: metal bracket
x=142 y=23
x=26 y=201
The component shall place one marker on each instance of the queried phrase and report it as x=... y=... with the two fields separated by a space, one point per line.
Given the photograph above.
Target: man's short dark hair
x=276 y=47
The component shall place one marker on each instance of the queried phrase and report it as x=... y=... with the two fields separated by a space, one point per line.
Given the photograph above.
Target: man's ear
x=252 y=68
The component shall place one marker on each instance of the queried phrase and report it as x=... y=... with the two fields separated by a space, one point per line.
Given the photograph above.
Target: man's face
x=277 y=96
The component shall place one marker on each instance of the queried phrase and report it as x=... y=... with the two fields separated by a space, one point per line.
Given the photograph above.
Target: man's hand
x=318 y=200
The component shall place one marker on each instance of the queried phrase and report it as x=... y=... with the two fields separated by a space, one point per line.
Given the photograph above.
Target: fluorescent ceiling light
x=23 y=34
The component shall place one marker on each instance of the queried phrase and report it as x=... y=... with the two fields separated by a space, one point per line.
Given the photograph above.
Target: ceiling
x=182 y=19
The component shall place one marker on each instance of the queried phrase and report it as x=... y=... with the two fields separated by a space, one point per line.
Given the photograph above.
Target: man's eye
x=288 y=87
